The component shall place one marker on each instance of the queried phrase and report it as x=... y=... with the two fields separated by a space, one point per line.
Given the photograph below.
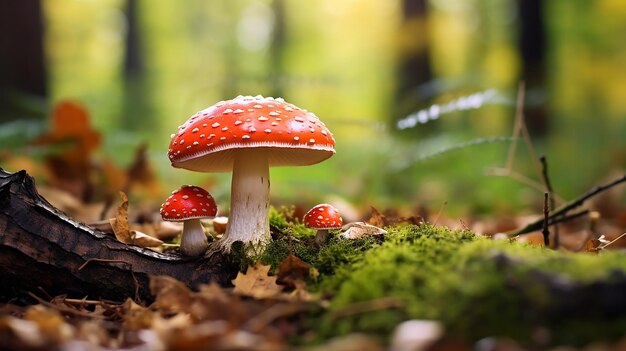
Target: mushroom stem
x=249 y=203
x=193 y=241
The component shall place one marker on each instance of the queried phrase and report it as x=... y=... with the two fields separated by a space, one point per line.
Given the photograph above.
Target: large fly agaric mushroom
x=248 y=135
x=189 y=204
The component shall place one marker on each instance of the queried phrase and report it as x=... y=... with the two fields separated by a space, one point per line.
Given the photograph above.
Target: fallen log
x=45 y=252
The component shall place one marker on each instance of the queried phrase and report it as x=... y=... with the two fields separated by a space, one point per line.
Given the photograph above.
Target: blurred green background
x=419 y=94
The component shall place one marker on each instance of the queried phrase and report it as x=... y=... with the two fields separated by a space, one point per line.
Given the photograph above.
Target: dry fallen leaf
x=120 y=222
x=384 y=220
x=256 y=283
x=144 y=240
x=358 y=230
x=171 y=294
x=291 y=269
x=73 y=143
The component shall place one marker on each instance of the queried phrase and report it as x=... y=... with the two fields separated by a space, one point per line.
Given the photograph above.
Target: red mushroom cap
x=188 y=202
x=292 y=136
x=323 y=216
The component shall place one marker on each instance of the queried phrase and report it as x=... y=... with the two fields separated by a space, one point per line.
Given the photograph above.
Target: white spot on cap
x=182 y=141
x=195 y=130
x=274 y=123
x=274 y=113
x=287 y=108
x=299 y=119
x=215 y=125
x=196 y=143
x=224 y=129
x=262 y=118
x=238 y=111
x=268 y=130
x=204 y=124
x=312 y=141
x=324 y=132
x=185 y=197
x=258 y=106
x=252 y=129
x=245 y=137
x=202 y=135
x=223 y=138
x=211 y=136
x=227 y=111
x=172 y=135
x=238 y=122
x=296 y=138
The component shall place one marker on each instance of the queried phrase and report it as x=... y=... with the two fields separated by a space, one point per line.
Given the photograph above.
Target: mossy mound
x=479 y=287
x=475 y=286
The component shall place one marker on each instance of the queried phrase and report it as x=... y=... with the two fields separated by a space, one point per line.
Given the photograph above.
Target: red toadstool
x=248 y=135
x=323 y=217
x=189 y=204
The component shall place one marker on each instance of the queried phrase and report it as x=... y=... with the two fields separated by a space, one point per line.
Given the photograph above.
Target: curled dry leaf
x=257 y=283
x=120 y=222
x=359 y=230
x=292 y=269
x=171 y=294
x=144 y=240
x=383 y=220
x=122 y=230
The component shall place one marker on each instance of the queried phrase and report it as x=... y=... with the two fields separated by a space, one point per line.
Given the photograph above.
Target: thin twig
x=546 y=181
x=612 y=241
x=546 y=219
x=517 y=125
x=62 y=308
x=441 y=209
x=563 y=209
x=368 y=306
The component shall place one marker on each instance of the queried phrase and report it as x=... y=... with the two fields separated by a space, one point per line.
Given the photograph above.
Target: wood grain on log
x=44 y=251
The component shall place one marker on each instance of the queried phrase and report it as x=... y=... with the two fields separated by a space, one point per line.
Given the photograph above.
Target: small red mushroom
x=323 y=217
x=189 y=204
x=248 y=135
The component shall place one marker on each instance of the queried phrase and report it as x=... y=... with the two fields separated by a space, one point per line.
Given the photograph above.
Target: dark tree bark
x=532 y=43
x=136 y=98
x=22 y=63
x=414 y=68
x=42 y=250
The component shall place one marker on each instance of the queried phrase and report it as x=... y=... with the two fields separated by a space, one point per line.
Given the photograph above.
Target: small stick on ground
x=546 y=218
x=441 y=209
x=546 y=181
x=563 y=209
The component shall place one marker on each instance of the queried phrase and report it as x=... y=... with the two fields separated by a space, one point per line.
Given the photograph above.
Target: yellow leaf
x=256 y=283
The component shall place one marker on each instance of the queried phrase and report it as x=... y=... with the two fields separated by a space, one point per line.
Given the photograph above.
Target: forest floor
x=394 y=283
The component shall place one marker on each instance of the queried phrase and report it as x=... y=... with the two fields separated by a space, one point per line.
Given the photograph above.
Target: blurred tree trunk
x=414 y=68
x=276 y=49
x=135 y=115
x=22 y=62
x=532 y=42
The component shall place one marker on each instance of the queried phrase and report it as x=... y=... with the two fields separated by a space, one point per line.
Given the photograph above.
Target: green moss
x=476 y=287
